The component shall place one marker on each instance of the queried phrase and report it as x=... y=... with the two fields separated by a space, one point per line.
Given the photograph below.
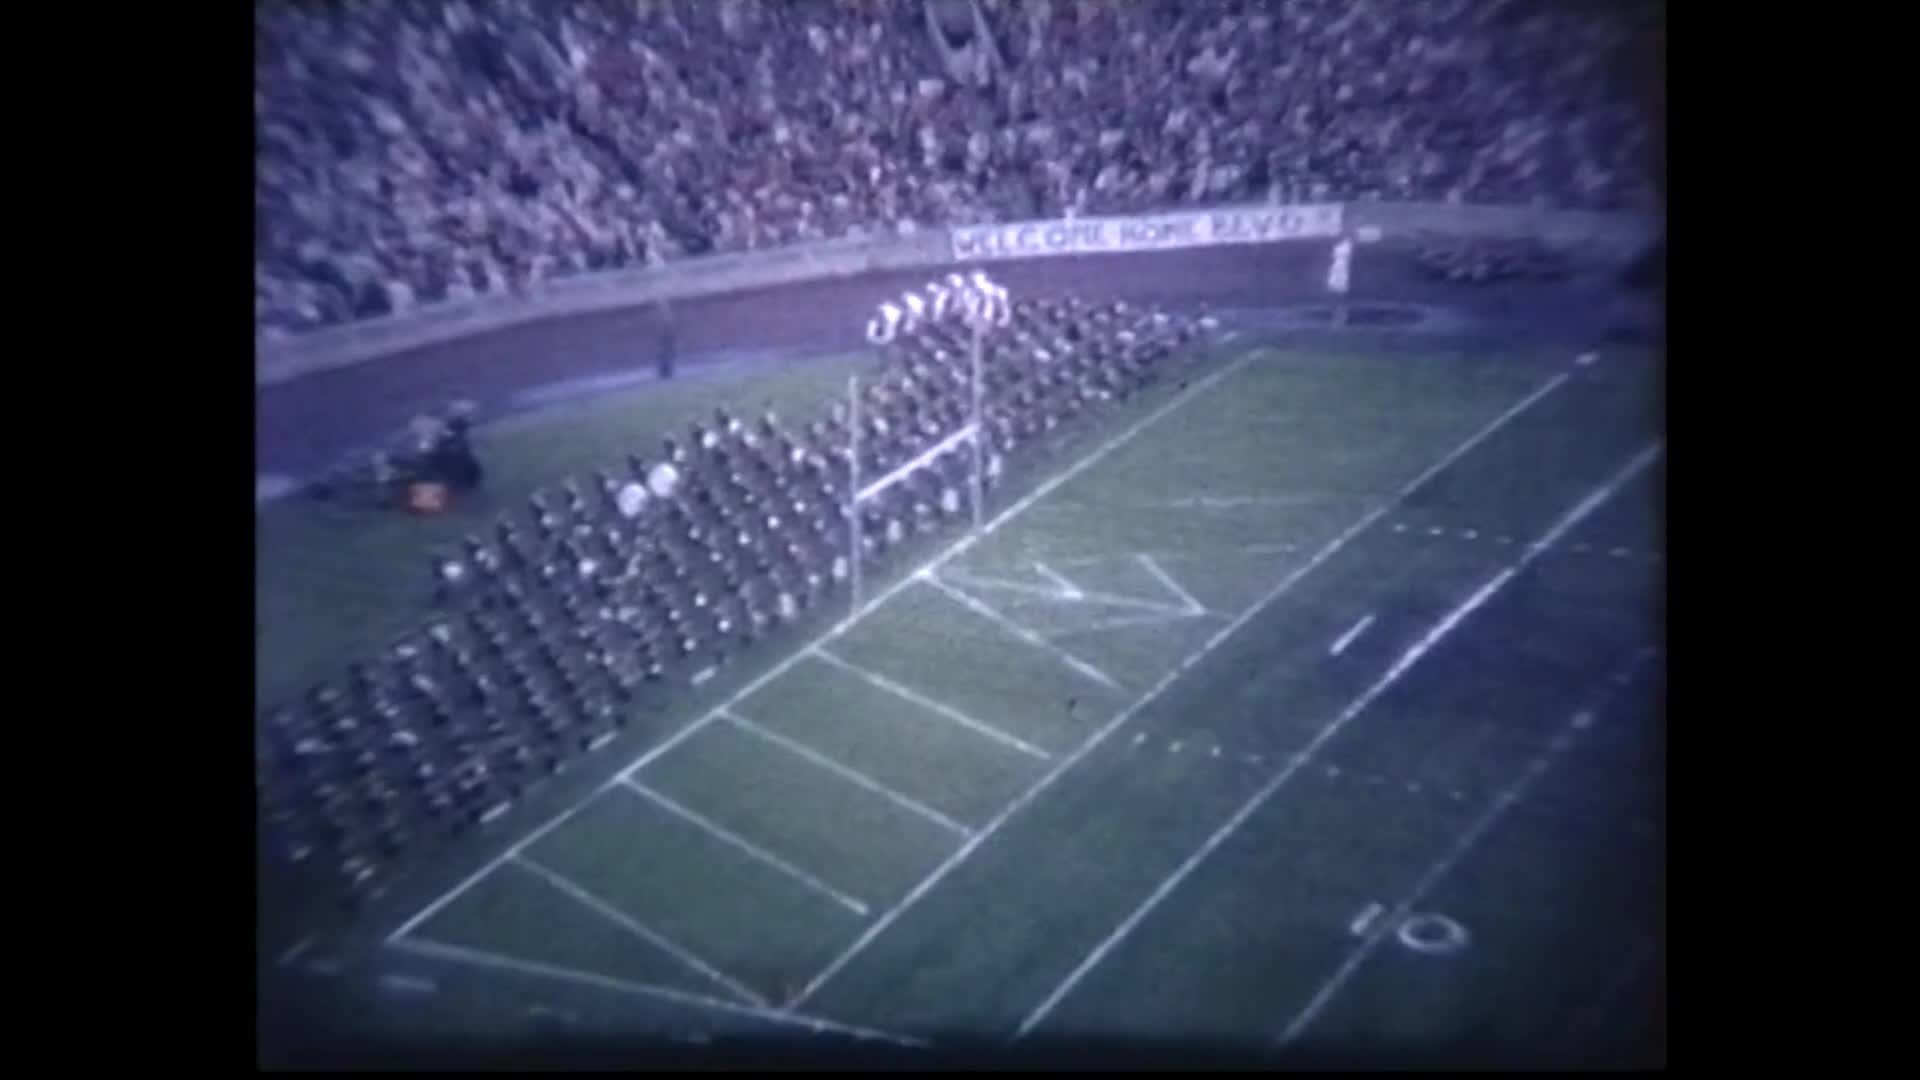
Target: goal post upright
x=982 y=304
x=853 y=487
x=979 y=427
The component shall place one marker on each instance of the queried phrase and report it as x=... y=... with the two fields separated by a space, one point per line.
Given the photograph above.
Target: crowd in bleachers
x=411 y=151
x=549 y=629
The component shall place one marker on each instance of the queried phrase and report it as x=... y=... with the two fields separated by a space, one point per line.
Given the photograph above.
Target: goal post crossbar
x=920 y=461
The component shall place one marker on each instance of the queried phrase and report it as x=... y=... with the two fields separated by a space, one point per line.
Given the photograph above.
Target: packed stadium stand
x=415 y=151
x=563 y=611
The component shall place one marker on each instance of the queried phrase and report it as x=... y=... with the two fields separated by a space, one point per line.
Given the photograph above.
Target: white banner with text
x=1147 y=232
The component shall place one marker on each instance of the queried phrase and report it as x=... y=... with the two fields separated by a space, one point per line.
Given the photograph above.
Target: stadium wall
x=327 y=397
x=282 y=361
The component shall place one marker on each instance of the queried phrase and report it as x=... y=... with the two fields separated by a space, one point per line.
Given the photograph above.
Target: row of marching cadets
x=549 y=628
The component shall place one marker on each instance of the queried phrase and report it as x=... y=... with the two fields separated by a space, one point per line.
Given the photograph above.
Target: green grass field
x=1318 y=701
x=333 y=582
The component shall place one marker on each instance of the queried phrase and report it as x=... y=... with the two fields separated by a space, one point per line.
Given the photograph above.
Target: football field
x=1314 y=704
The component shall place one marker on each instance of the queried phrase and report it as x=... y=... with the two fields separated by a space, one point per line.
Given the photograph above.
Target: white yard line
x=1507 y=799
x=480 y=958
x=985 y=610
x=849 y=774
x=748 y=847
x=1348 y=638
x=986 y=832
x=959 y=548
x=640 y=930
x=1393 y=674
x=905 y=693
x=1194 y=607
x=1365 y=919
x=1078 y=595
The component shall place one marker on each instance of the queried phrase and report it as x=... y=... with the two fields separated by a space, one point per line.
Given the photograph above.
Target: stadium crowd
x=410 y=151
x=551 y=624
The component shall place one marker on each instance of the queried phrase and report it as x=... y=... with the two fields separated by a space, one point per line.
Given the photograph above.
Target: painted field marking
x=959 y=547
x=1326 y=552
x=638 y=929
x=293 y=952
x=1506 y=800
x=966 y=579
x=849 y=774
x=481 y=958
x=408 y=984
x=1068 y=590
x=987 y=611
x=748 y=847
x=1340 y=644
x=905 y=693
x=1362 y=921
x=1407 y=660
x=1193 y=607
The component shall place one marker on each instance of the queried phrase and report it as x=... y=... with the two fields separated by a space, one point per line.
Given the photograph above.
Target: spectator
x=411 y=152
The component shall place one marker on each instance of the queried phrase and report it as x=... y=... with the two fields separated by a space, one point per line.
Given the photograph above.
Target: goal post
x=981 y=304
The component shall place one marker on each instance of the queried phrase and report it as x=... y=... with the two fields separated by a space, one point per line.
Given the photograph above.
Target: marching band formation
x=550 y=629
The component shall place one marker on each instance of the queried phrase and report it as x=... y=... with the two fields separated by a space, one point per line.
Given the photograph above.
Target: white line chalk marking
x=622 y=986
x=1365 y=919
x=1120 y=622
x=293 y=952
x=408 y=984
x=1194 y=607
x=747 y=847
x=984 y=610
x=981 y=581
x=1068 y=590
x=1467 y=840
x=1434 y=935
x=960 y=547
x=1400 y=667
x=1348 y=638
x=1332 y=547
x=640 y=930
x=880 y=681
x=849 y=774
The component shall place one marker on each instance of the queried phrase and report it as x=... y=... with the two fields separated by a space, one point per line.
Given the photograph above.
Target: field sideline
x=1316 y=704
